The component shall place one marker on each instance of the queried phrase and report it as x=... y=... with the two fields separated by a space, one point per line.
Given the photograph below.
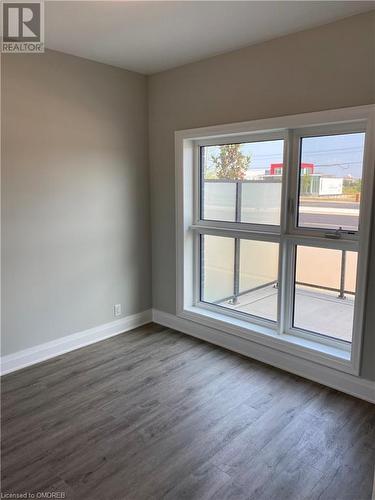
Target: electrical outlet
x=117 y=309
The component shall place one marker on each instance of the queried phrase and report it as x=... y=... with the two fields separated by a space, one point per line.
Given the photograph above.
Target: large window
x=278 y=230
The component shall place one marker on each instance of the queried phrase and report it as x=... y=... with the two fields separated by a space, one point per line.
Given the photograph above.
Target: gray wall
x=332 y=66
x=75 y=196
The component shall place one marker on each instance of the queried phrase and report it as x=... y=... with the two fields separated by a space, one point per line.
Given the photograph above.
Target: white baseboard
x=350 y=384
x=48 y=350
x=344 y=382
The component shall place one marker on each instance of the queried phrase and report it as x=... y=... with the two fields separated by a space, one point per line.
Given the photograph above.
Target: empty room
x=188 y=250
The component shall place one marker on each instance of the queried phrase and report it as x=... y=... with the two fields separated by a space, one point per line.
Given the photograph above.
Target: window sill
x=333 y=357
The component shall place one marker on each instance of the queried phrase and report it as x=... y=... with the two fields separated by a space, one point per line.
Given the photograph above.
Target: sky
x=337 y=155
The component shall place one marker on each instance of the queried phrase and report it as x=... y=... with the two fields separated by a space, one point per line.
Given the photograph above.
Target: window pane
x=240 y=275
x=242 y=182
x=217 y=268
x=220 y=200
x=324 y=291
x=330 y=178
x=261 y=201
x=259 y=264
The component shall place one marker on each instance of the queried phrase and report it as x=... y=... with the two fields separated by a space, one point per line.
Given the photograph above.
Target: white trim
x=365 y=221
x=344 y=382
x=226 y=313
x=358 y=113
x=239 y=139
x=48 y=350
x=236 y=233
x=247 y=227
x=334 y=356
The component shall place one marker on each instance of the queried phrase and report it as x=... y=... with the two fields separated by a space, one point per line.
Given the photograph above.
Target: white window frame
x=188 y=225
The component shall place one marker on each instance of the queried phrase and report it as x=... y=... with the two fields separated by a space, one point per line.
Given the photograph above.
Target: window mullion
x=235 y=233
x=284 y=249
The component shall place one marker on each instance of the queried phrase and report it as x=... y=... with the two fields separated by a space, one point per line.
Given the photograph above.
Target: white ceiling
x=152 y=36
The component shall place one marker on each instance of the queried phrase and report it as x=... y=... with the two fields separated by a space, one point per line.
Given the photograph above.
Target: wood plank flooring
x=155 y=414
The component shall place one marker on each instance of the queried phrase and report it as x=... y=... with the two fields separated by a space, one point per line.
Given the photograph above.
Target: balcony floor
x=315 y=310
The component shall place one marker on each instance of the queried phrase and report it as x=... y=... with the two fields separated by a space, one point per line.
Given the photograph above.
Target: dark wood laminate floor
x=154 y=414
